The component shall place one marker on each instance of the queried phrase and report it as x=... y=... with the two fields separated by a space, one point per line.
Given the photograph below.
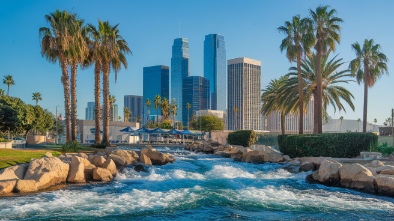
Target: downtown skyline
x=249 y=29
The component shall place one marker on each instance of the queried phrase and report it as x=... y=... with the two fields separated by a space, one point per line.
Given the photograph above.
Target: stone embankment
x=102 y=166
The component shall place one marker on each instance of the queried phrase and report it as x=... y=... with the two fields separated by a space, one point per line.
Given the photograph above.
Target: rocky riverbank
x=102 y=166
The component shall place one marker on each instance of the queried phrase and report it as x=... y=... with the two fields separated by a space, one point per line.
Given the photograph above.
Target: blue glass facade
x=135 y=105
x=156 y=81
x=215 y=70
x=195 y=92
x=179 y=71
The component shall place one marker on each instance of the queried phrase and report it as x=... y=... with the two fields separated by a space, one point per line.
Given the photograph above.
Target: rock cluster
x=374 y=177
x=254 y=154
x=76 y=168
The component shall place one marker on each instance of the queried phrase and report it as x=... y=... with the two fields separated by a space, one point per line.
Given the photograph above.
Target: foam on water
x=229 y=172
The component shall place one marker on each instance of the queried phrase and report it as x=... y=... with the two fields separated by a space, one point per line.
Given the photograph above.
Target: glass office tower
x=135 y=104
x=155 y=82
x=215 y=70
x=196 y=93
x=179 y=70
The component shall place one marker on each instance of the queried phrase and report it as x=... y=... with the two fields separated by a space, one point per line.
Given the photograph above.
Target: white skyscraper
x=244 y=77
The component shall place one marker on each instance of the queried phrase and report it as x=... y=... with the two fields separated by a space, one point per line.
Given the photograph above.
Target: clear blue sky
x=249 y=28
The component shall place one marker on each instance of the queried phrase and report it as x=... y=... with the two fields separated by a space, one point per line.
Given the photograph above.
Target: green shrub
x=100 y=145
x=327 y=145
x=267 y=139
x=2 y=139
x=245 y=138
x=71 y=147
x=385 y=149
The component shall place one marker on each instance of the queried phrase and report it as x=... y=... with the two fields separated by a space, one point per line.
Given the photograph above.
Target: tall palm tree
x=9 y=81
x=276 y=101
x=188 y=106
x=126 y=114
x=333 y=93
x=173 y=111
x=157 y=102
x=37 y=97
x=368 y=66
x=165 y=108
x=326 y=28
x=109 y=50
x=340 y=127
x=112 y=100
x=57 y=44
x=298 y=41
x=148 y=104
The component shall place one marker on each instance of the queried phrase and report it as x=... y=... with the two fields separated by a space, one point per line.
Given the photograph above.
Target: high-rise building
x=156 y=81
x=179 y=70
x=114 y=111
x=196 y=93
x=89 y=111
x=135 y=105
x=244 y=76
x=215 y=70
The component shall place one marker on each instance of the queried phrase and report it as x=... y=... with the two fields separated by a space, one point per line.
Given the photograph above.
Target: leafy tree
x=37 y=97
x=368 y=66
x=9 y=121
x=326 y=28
x=166 y=124
x=173 y=111
x=165 y=108
x=2 y=92
x=298 y=40
x=9 y=81
x=209 y=123
x=126 y=114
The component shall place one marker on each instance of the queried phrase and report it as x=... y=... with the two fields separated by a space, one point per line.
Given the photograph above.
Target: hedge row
x=245 y=138
x=327 y=145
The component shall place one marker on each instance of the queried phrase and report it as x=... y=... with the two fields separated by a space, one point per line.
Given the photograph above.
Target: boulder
x=48 y=154
x=139 y=167
x=119 y=161
x=385 y=184
x=374 y=163
x=248 y=157
x=85 y=161
x=77 y=171
x=47 y=172
x=145 y=160
x=14 y=172
x=269 y=154
x=157 y=158
x=295 y=163
x=88 y=171
x=82 y=155
x=110 y=166
x=389 y=171
x=127 y=156
x=102 y=174
x=315 y=160
x=26 y=186
x=328 y=172
x=98 y=161
x=6 y=186
x=109 y=150
x=286 y=158
x=357 y=177
x=91 y=158
x=259 y=159
x=385 y=167
x=307 y=166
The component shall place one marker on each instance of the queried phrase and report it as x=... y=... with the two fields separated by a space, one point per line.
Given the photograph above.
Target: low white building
x=86 y=129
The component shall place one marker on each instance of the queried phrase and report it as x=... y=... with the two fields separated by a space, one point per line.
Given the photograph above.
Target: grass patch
x=10 y=157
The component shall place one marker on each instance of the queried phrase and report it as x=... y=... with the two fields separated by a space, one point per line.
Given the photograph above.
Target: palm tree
x=2 y=92
x=126 y=114
x=37 y=97
x=109 y=50
x=9 y=81
x=173 y=111
x=358 y=121
x=326 y=28
x=188 y=106
x=332 y=92
x=235 y=110
x=148 y=104
x=275 y=100
x=157 y=105
x=298 y=40
x=112 y=100
x=340 y=127
x=57 y=44
x=368 y=66
x=165 y=108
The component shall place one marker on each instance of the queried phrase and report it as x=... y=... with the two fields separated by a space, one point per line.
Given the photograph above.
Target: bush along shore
x=102 y=166
x=373 y=177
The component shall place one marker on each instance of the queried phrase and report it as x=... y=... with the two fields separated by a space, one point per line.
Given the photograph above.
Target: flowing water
x=200 y=187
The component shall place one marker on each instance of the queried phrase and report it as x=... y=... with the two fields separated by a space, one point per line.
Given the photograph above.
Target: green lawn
x=10 y=157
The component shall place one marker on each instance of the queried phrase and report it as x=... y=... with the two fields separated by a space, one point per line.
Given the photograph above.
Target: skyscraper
x=196 y=93
x=179 y=70
x=156 y=81
x=215 y=70
x=89 y=111
x=244 y=75
x=135 y=105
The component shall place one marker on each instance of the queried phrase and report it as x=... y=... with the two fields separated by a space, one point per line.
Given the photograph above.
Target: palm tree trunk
x=319 y=99
x=282 y=122
x=366 y=81
x=73 y=101
x=106 y=104
x=97 y=109
x=301 y=96
x=66 y=86
x=8 y=90
x=315 y=117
